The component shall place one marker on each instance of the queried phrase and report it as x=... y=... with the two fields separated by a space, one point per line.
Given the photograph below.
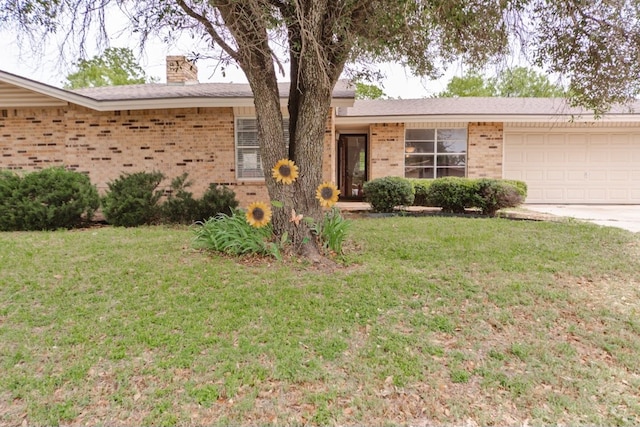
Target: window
x=435 y=153
x=248 y=159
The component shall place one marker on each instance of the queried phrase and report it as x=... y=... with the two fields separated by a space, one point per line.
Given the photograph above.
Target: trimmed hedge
x=495 y=195
x=455 y=195
x=421 y=191
x=384 y=194
x=48 y=199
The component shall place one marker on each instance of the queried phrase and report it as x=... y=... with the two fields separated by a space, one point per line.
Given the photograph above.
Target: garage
x=575 y=165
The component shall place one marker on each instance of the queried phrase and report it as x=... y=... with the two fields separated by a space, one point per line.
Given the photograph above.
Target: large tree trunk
x=313 y=75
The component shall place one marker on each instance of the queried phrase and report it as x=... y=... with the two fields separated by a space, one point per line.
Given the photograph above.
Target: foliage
x=517 y=82
x=421 y=191
x=522 y=82
x=217 y=199
x=132 y=199
x=453 y=194
x=471 y=84
x=46 y=200
x=384 y=194
x=115 y=67
x=495 y=195
x=521 y=186
x=181 y=208
x=333 y=230
x=368 y=91
x=232 y=234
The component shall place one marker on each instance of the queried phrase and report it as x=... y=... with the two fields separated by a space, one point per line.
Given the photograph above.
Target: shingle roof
x=195 y=90
x=470 y=106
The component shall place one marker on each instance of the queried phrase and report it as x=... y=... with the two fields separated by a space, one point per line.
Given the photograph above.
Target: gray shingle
x=197 y=90
x=469 y=106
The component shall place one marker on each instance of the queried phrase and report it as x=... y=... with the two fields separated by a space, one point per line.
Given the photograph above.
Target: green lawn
x=433 y=320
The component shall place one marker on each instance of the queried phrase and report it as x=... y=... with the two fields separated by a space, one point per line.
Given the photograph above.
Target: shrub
x=521 y=186
x=46 y=200
x=494 y=195
x=384 y=194
x=181 y=208
x=217 y=199
x=453 y=194
x=233 y=235
x=421 y=191
x=132 y=199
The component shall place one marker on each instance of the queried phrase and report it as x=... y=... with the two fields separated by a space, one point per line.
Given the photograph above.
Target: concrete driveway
x=621 y=216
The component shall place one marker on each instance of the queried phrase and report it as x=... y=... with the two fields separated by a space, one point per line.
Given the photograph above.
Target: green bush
x=521 y=186
x=46 y=200
x=232 y=234
x=181 y=208
x=453 y=194
x=421 y=191
x=217 y=199
x=495 y=194
x=384 y=194
x=132 y=199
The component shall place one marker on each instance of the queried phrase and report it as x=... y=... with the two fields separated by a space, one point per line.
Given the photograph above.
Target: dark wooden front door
x=352 y=165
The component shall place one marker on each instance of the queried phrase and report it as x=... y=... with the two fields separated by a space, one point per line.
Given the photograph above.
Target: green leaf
x=277 y=204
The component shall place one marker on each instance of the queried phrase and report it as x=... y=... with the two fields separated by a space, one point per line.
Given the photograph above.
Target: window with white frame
x=248 y=159
x=435 y=153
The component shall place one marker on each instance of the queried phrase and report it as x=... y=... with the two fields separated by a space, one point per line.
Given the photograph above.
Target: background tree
x=471 y=84
x=518 y=82
x=116 y=66
x=522 y=82
x=368 y=91
x=594 y=44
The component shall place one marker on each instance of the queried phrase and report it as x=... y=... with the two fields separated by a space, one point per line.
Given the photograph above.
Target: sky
x=47 y=67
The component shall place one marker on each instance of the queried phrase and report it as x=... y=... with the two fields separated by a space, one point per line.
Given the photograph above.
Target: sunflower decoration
x=285 y=171
x=258 y=214
x=327 y=193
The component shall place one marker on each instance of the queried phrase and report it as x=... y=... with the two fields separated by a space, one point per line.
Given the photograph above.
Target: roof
x=17 y=91
x=192 y=90
x=477 y=109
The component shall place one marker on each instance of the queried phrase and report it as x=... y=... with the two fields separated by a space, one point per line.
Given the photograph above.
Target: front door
x=352 y=165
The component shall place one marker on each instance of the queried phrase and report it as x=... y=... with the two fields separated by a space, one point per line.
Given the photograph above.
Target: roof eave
x=505 y=118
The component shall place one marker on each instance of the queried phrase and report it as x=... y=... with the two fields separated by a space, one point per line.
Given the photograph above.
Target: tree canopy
x=595 y=45
x=518 y=82
x=115 y=67
x=368 y=91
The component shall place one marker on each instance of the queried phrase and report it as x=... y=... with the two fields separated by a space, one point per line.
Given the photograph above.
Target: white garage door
x=575 y=166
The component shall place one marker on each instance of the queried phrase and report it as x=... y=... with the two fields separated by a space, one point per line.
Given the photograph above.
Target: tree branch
x=210 y=29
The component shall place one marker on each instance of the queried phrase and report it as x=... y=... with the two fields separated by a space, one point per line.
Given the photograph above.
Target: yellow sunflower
x=258 y=214
x=327 y=193
x=285 y=171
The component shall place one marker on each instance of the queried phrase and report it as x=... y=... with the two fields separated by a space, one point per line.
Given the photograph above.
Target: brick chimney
x=180 y=71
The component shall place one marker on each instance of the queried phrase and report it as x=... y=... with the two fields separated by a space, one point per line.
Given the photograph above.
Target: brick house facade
x=186 y=126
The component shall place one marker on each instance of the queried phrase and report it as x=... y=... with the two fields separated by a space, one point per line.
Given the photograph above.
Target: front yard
x=434 y=320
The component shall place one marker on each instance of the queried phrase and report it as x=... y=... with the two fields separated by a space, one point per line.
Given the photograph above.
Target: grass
x=433 y=320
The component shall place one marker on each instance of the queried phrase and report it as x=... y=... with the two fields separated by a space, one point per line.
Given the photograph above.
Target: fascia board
x=341 y=120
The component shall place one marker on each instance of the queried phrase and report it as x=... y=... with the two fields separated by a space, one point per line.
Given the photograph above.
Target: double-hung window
x=435 y=153
x=248 y=159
